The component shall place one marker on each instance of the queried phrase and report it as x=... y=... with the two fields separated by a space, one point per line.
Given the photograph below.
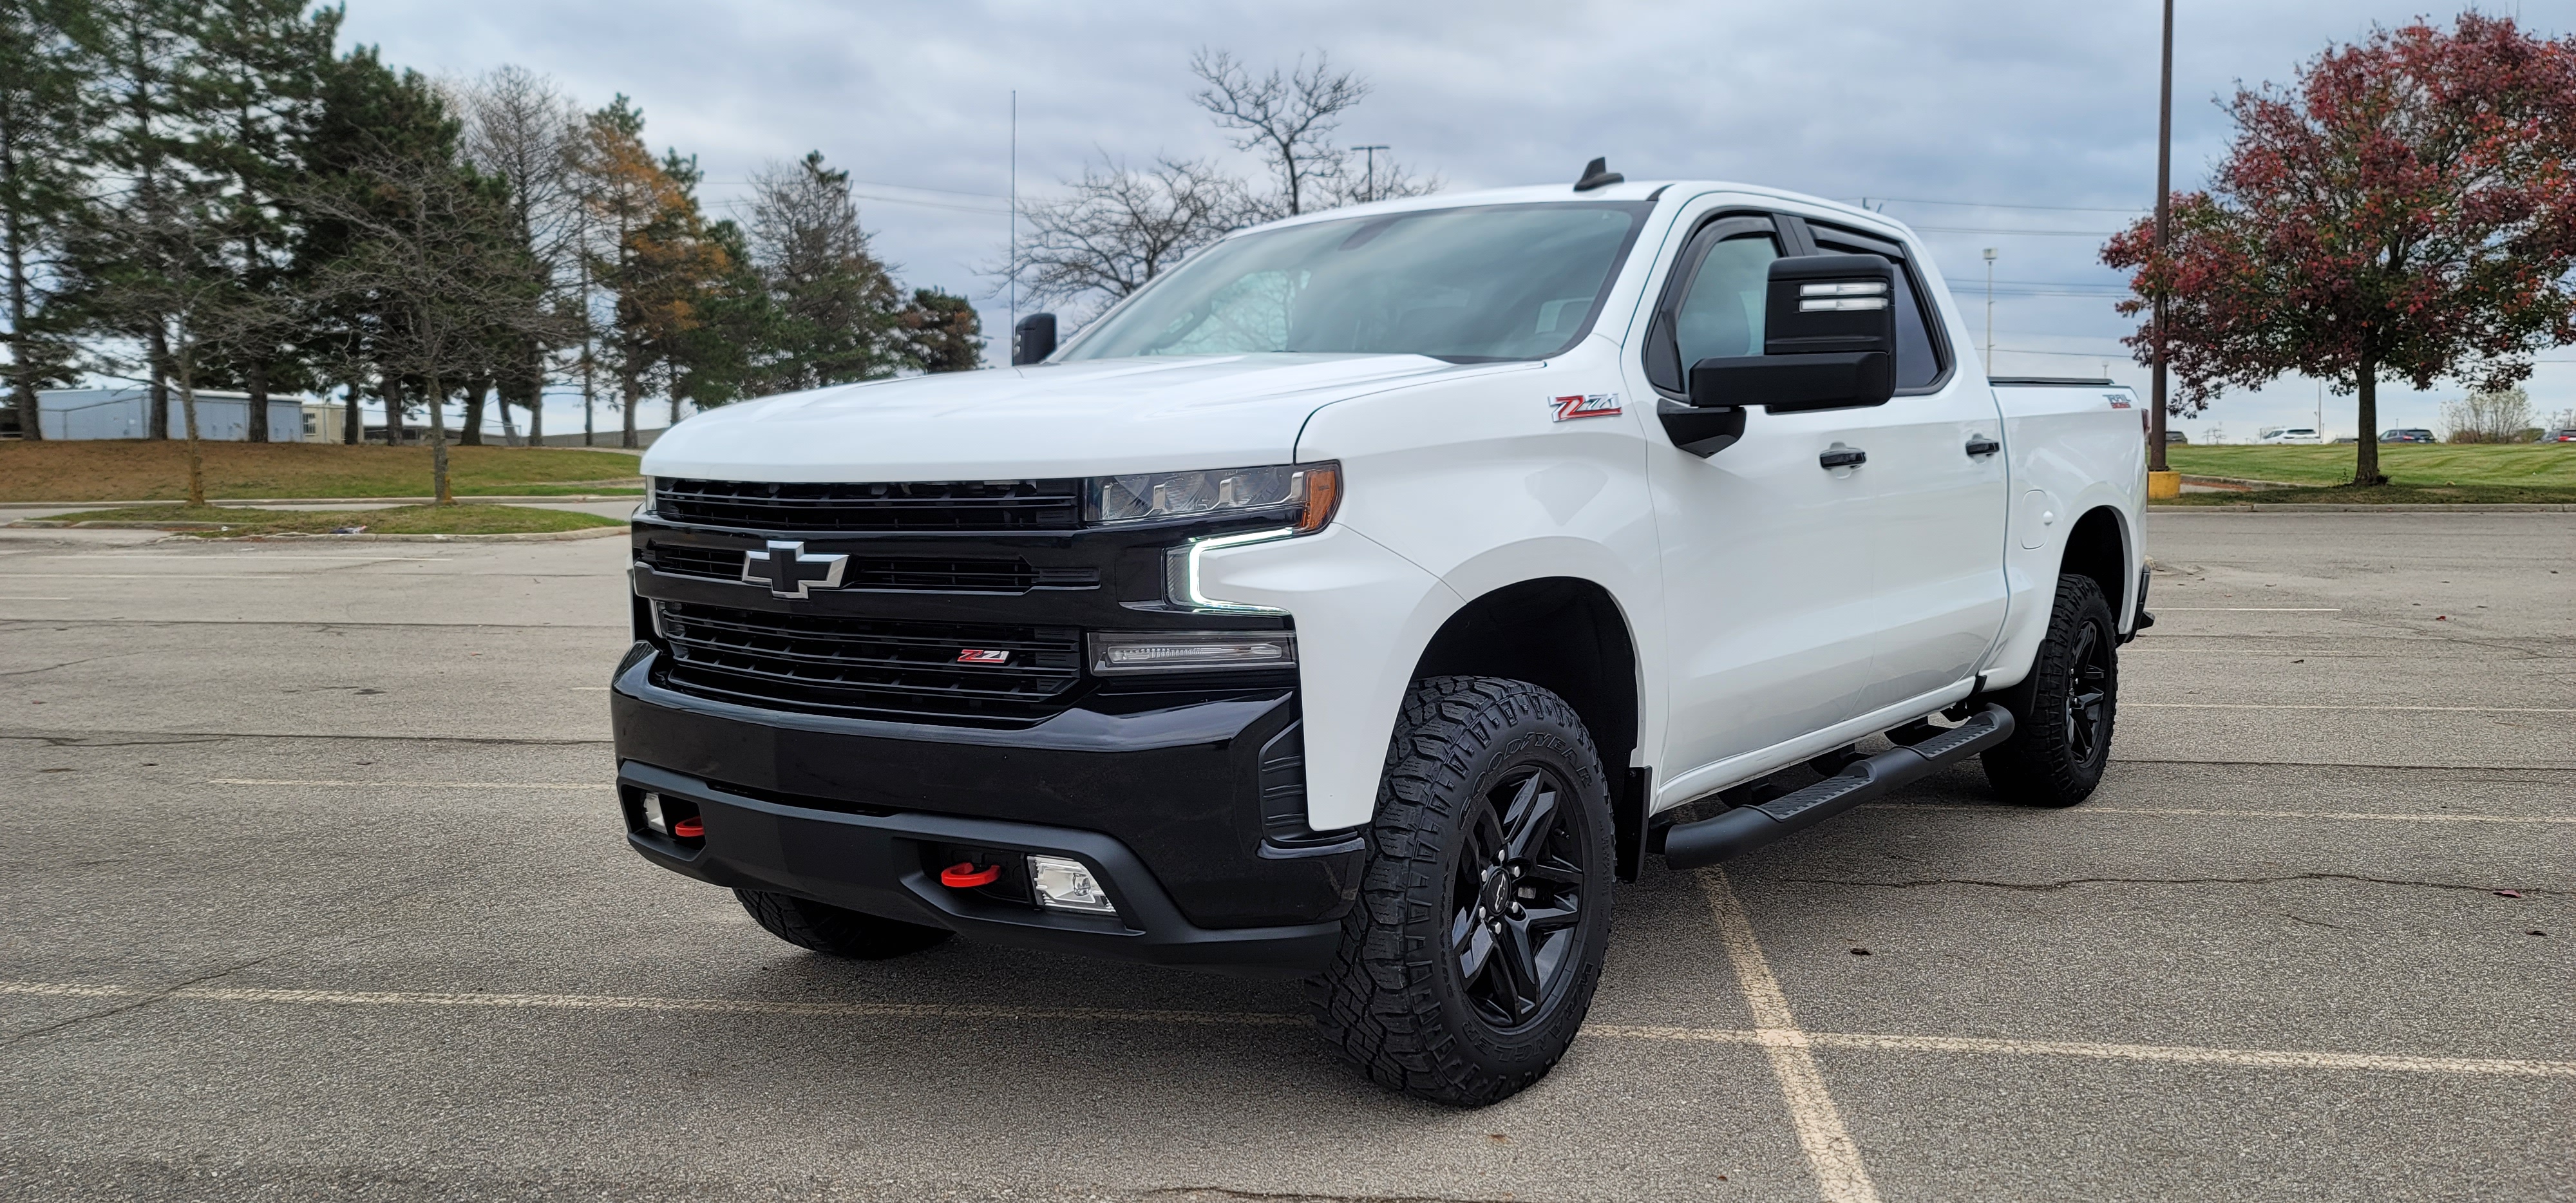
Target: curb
x=2246 y=481
x=495 y=499
x=547 y=536
x=2249 y=507
x=551 y=536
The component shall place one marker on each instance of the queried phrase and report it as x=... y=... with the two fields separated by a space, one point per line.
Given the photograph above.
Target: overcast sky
x=2023 y=125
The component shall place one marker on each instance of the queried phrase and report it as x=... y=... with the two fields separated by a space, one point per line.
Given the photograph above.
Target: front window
x=1482 y=283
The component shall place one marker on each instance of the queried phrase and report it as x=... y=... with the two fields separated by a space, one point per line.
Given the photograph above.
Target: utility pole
x=1990 y=311
x=1368 y=178
x=2161 y=481
x=1012 y=330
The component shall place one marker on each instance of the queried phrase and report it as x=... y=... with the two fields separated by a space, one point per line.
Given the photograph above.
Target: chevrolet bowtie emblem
x=789 y=572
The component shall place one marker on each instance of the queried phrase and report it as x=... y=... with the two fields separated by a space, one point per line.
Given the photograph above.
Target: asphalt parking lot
x=314 y=889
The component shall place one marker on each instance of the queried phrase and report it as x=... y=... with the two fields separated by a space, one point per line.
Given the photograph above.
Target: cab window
x=1920 y=362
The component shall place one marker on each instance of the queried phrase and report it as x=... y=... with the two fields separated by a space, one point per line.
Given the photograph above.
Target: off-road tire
x=2051 y=759
x=830 y=929
x=1397 y=999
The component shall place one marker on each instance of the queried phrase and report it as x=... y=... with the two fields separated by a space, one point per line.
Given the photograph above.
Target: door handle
x=1839 y=456
x=1979 y=444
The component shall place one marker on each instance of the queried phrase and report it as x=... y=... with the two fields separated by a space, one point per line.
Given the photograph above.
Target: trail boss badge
x=1584 y=405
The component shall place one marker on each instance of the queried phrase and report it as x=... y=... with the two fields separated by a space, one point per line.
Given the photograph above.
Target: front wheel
x=2062 y=714
x=1484 y=911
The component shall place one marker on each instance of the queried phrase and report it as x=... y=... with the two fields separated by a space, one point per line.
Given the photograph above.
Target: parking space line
x=2204 y=812
x=1828 y=1144
x=2321 y=706
x=418 y=784
x=2249 y=609
x=612 y=1002
x=1772 y=1038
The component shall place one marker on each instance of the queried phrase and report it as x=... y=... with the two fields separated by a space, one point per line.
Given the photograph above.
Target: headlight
x=1303 y=495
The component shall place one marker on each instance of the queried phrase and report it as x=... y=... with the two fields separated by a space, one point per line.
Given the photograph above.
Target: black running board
x=1690 y=845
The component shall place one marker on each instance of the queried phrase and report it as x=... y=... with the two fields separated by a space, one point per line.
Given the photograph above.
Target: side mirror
x=1828 y=340
x=1033 y=339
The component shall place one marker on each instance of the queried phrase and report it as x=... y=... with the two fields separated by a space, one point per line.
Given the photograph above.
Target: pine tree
x=255 y=82
x=44 y=118
x=365 y=110
x=648 y=250
x=138 y=63
x=941 y=332
x=835 y=303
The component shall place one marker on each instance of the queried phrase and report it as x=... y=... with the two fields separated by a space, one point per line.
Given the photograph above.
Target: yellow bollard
x=2164 y=486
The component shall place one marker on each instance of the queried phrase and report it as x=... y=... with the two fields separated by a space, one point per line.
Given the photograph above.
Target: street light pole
x=1368 y=177
x=1990 y=311
x=2164 y=222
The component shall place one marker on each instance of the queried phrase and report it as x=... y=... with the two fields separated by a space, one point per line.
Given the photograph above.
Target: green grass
x=2422 y=465
x=135 y=470
x=398 y=520
x=2388 y=495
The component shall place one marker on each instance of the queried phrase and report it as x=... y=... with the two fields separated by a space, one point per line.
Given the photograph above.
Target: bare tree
x=432 y=245
x=521 y=129
x=1385 y=179
x=165 y=275
x=1286 y=119
x=1119 y=227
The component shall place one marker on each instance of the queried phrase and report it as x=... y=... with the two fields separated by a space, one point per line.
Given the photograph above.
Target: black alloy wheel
x=1517 y=898
x=2088 y=693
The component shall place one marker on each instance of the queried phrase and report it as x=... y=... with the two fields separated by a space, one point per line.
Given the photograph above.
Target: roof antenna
x=1597 y=174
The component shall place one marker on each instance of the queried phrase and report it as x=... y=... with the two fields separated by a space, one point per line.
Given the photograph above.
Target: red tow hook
x=689 y=828
x=965 y=876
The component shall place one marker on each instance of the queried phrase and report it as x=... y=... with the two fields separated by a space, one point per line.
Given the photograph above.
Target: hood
x=1091 y=418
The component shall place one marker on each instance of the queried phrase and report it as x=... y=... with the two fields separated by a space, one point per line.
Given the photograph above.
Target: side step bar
x=1690 y=845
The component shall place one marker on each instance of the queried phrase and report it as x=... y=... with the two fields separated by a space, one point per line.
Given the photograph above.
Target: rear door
x=1768 y=606
x=1935 y=480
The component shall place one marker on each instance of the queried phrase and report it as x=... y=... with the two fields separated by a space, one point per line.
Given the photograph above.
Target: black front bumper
x=1162 y=801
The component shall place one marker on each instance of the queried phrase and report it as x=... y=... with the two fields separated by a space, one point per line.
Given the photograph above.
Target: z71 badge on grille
x=981 y=655
x=1584 y=405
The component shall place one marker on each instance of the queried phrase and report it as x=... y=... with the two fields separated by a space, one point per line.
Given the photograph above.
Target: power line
x=1992 y=230
x=1896 y=200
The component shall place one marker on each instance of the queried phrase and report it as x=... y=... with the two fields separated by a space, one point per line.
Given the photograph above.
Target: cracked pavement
x=388 y=993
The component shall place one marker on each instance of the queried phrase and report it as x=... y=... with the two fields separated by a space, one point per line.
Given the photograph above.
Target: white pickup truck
x=1361 y=598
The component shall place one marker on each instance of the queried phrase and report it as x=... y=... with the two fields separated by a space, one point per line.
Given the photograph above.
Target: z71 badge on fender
x=1583 y=405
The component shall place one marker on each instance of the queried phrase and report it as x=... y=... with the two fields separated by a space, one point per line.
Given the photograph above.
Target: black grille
x=683 y=560
x=871 y=667
x=890 y=573
x=976 y=505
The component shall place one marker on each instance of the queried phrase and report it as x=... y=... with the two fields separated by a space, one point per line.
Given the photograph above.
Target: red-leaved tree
x=2406 y=211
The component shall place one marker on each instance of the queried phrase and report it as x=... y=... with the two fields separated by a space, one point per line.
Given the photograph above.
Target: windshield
x=1491 y=282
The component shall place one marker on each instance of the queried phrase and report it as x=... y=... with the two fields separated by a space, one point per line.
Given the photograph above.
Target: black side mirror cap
x=1697 y=431
x=1789 y=383
x=1033 y=339
x=1819 y=304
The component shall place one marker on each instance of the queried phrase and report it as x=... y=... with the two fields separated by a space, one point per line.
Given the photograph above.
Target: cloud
x=2006 y=102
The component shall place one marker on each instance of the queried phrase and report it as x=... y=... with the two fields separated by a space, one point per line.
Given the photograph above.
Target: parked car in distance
x=2176 y=436
x=2408 y=434
x=2564 y=434
x=2289 y=434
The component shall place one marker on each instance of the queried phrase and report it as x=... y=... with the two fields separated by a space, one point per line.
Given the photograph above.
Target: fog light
x=1065 y=884
x=653 y=816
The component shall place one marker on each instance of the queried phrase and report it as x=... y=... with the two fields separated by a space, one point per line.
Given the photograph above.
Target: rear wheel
x=1471 y=956
x=822 y=927
x=2062 y=715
